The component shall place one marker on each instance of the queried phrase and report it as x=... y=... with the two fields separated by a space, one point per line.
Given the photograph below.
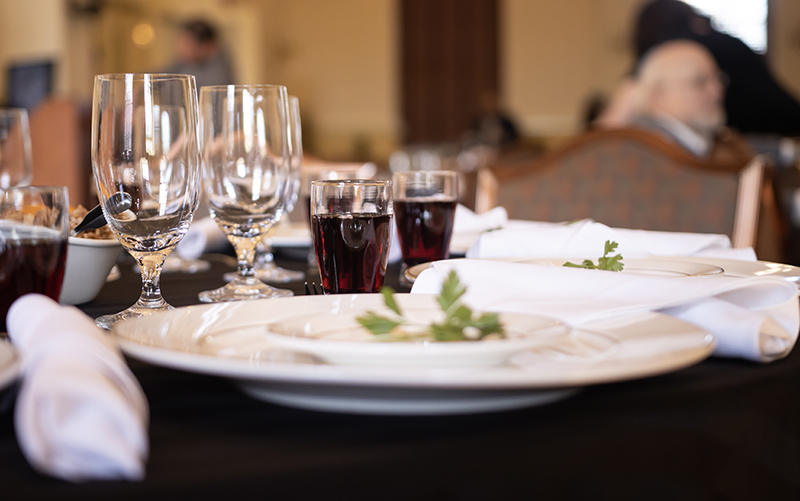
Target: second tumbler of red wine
x=351 y=227
x=425 y=208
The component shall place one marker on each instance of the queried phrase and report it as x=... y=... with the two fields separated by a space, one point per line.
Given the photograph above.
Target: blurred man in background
x=679 y=93
x=200 y=54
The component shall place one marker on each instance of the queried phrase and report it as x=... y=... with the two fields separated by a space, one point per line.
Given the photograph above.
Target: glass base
x=184 y=265
x=177 y=264
x=135 y=311
x=243 y=289
x=273 y=275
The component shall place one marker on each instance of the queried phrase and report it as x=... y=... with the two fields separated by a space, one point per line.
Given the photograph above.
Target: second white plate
x=674 y=267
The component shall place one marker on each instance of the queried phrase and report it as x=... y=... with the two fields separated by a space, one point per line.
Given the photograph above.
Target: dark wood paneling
x=449 y=58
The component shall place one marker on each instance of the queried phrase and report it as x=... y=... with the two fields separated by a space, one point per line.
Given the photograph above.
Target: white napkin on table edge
x=586 y=238
x=80 y=413
x=754 y=318
x=467 y=221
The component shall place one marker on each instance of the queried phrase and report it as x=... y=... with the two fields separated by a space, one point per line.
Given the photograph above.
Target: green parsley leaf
x=488 y=323
x=388 y=300
x=457 y=318
x=451 y=292
x=447 y=332
x=609 y=263
x=587 y=263
x=377 y=324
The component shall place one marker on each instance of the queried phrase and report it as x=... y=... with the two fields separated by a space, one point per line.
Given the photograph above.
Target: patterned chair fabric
x=626 y=179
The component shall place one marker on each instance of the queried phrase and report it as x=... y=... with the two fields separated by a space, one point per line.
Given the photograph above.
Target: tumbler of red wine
x=425 y=206
x=351 y=227
x=34 y=225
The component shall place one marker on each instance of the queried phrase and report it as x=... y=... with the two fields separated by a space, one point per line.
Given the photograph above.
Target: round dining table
x=721 y=429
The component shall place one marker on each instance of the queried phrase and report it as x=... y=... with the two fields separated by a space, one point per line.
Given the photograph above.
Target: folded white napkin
x=467 y=221
x=755 y=318
x=585 y=239
x=204 y=236
x=80 y=413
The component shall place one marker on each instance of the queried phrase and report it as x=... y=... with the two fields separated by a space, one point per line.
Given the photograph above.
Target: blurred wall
x=554 y=55
x=341 y=57
x=33 y=30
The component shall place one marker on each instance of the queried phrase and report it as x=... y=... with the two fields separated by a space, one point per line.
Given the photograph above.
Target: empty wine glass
x=145 y=147
x=15 y=148
x=265 y=267
x=246 y=173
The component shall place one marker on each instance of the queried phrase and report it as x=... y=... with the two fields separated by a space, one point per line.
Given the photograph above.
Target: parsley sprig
x=610 y=263
x=459 y=323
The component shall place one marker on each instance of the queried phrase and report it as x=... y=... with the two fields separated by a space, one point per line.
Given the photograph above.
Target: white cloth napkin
x=755 y=318
x=204 y=236
x=80 y=413
x=586 y=238
x=467 y=221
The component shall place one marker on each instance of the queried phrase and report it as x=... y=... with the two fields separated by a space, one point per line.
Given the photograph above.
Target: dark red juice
x=352 y=251
x=424 y=227
x=30 y=265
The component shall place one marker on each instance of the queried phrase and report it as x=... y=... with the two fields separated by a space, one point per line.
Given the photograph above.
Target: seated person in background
x=493 y=127
x=618 y=111
x=200 y=54
x=755 y=102
x=679 y=93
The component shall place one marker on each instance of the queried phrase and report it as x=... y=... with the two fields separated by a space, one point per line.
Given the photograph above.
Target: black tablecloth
x=723 y=429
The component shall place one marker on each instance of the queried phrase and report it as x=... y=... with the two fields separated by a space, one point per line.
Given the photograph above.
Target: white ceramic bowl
x=88 y=265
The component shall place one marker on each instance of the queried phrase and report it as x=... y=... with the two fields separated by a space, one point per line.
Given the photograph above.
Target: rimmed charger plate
x=9 y=364
x=672 y=267
x=228 y=340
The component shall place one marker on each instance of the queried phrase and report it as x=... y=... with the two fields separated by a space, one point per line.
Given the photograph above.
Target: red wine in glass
x=424 y=226
x=352 y=251
x=33 y=263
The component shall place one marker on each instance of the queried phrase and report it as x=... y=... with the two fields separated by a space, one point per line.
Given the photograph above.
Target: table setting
x=428 y=315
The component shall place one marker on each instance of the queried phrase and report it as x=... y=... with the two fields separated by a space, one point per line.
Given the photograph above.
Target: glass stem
x=150 y=266
x=245 y=254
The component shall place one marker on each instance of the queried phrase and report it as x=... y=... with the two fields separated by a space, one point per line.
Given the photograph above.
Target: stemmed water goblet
x=145 y=148
x=265 y=267
x=246 y=174
x=15 y=148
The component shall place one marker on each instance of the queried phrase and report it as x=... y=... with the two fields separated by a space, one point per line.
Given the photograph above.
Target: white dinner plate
x=671 y=267
x=9 y=364
x=228 y=340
